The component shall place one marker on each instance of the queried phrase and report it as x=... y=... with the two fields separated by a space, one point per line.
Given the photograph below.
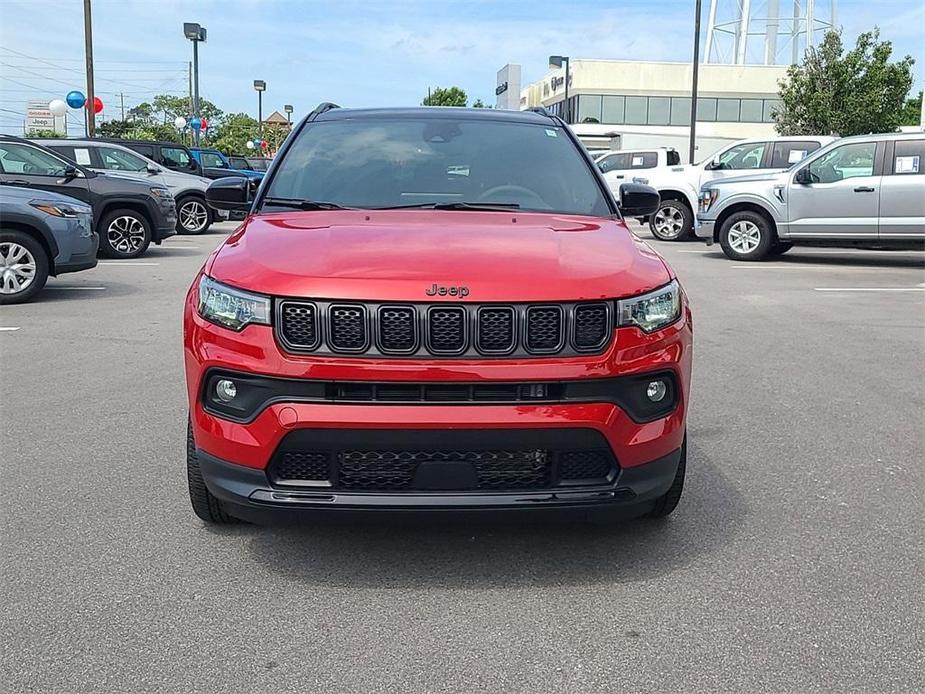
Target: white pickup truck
x=679 y=185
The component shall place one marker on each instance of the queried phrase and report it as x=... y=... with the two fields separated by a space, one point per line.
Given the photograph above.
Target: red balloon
x=205 y=124
x=97 y=104
x=263 y=144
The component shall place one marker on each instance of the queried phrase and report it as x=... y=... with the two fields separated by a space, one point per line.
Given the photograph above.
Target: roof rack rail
x=323 y=107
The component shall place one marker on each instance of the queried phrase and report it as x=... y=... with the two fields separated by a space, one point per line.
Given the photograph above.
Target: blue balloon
x=195 y=123
x=75 y=99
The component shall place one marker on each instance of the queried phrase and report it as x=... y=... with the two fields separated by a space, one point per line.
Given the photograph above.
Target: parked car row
x=60 y=197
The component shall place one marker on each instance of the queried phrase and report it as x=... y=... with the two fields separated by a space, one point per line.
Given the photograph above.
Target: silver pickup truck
x=867 y=190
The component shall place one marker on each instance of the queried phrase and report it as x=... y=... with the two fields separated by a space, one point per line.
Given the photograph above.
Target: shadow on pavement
x=508 y=551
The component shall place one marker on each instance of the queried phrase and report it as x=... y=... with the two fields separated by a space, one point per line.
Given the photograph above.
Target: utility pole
x=91 y=97
x=122 y=104
x=696 y=67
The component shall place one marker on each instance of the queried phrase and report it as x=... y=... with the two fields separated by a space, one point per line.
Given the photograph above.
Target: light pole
x=556 y=61
x=91 y=96
x=260 y=86
x=195 y=33
x=694 y=84
x=288 y=109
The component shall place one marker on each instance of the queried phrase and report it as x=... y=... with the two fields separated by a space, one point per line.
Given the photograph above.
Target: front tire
x=747 y=236
x=780 y=248
x=668 y=502
x=24 y=267
x=193 y=215
x=124 y=234
x=672 y=221
x=205 y=505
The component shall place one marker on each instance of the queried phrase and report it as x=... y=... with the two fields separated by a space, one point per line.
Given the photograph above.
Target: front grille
x=524 y=460
x=444 y=330
x=442 y=392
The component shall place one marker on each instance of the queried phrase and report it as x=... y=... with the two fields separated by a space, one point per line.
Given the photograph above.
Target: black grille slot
x=348 y=328
x=495 y=329
x=377 y=469
x=300 y=324
x=446 y=329
x=584 y=465
x=397 y=329
x=544 y=328
x=591 y=325
x=446 y=393
x=297 y=467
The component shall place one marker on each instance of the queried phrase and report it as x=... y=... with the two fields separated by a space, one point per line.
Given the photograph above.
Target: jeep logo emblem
x=440 y=290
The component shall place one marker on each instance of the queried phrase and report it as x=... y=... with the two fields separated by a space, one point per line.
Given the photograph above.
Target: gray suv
x=867 y=191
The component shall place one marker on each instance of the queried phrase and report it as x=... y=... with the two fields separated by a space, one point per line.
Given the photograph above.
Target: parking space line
x=52 y=288
x=8 y=329
x=869 y=289
x=124 y=262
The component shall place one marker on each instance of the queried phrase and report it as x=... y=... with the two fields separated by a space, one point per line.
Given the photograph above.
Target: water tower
x=756 y=32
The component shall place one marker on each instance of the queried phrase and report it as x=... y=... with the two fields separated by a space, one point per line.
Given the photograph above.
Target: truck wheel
x=193 y=215
x=672 y=221
x=668 y=502
x=206 y=506
x=23 y=267
x=746 y=236
x=780 y=248
x=124 y=234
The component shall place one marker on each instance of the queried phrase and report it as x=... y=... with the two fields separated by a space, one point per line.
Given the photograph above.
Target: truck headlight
x=651 y=311
x=57 y=208
x=231 y=308
x=707 y=198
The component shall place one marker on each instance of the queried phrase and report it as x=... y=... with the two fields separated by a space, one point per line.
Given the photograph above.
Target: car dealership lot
x=794 y=562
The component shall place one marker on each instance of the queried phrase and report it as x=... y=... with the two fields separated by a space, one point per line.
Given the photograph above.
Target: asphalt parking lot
x=794 y=562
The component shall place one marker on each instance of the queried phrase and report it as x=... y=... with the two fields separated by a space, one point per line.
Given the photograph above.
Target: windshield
x=434 y=161
x=120 y=160
x=213 y=160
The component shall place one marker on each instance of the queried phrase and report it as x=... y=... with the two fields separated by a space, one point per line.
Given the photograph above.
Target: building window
x=680 y=110
x=706 y=110
x=589 y=109
x=659 y=110
x=613 y=110
x=752 y=110
x=727 y=110
x=637 y=110
x=770 y=105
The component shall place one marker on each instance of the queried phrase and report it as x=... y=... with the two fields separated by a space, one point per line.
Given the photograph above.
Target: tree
x=838 y=93
x=232 y=134
x=912 y=111
x=451 y=96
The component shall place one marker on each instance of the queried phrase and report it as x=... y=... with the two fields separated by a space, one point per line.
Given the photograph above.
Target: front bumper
x=703 y=228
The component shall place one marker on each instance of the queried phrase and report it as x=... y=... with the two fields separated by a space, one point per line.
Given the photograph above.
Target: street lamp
x=557 y=61
x=195 y=33
x=288 y=109
x=260 y=86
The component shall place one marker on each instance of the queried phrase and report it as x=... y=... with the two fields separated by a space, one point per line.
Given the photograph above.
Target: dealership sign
x=39 y=117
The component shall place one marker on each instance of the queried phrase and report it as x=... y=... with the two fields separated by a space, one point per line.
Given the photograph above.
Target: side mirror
x=70 y=172
x=802 y=176
x=714 y=164
x=229 y=193
x=638 y=200
x=152 y=169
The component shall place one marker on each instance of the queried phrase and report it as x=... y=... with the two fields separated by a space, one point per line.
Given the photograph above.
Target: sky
x=368 y=53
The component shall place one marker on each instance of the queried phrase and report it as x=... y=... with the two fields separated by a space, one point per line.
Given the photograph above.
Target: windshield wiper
x=485 y=206
x=305 y=204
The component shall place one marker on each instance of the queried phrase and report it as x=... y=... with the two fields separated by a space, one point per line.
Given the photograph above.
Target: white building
x=625 y=103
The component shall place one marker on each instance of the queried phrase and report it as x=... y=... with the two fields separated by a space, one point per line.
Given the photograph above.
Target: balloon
x=195 y=123
x=249 y=144
x=97 y=104
x=263 y=144
x=203 y=124
x=179 y=122
x=57 y=107
x=75 y=99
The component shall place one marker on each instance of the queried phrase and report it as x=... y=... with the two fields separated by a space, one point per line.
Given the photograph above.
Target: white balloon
x=179 y=122
x=57 y=107
x=249 y=144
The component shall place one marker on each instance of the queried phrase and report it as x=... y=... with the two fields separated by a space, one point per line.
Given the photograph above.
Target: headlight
x=707 y=198
x=651 y=311
x=60 y=209
x=231 y=308
x=161 y=193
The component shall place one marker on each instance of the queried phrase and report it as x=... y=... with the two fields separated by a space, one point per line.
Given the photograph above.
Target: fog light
x=656 y=391
x=226 y=390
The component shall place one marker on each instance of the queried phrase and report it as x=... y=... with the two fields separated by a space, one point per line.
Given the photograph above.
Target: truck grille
x=443 y=330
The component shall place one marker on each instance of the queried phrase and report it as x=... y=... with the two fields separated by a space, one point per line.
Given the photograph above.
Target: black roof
x=440 y=112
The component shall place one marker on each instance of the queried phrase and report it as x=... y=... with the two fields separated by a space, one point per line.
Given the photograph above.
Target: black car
x=127 y=214
x=172 y=155
x=240 y=162
x=259 y=163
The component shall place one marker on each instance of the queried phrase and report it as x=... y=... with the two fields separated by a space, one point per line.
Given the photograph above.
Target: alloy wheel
x=193 y=216
x=744 y=237
x=126 y=234
x=668 y=222
x=17 y=268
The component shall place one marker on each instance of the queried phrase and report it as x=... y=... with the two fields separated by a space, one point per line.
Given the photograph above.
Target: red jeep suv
x=434 y=308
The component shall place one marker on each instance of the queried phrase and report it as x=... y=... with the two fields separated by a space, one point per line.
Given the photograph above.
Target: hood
x=765 y=177
x=397 y=255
